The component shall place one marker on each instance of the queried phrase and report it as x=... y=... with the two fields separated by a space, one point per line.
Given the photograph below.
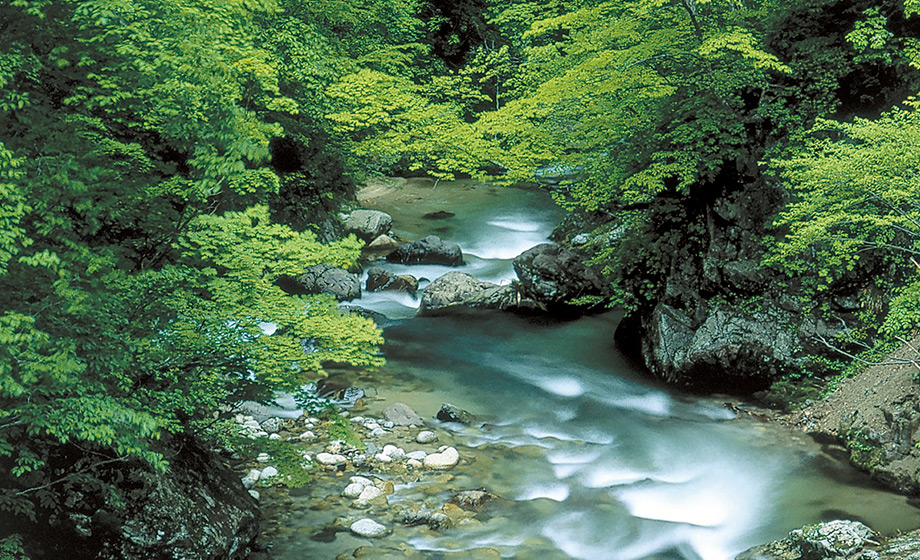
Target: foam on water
x=556 y=492
x=562 y=386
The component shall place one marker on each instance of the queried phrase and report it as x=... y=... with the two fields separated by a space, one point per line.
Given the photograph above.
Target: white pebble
x=368 y=493
x=414 y=463
x=268 y=472
x=263 y=458
x=383 y=457
x=426 y=436
x=353 y=490
x=254 y=493
x=417 y=455
x=367 y=528
x=308 y=436
x=274 y=436
x=363 y=481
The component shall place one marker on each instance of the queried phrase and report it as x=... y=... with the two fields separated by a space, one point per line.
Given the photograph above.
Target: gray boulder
x=458 y=291
x=402 y=415
x=838 y=539
x=368 y=224
x=328 y=279
x=428 y=250
x=554 y=275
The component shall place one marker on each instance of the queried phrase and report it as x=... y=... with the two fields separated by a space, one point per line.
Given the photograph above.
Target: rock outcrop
x=556 y=276
x=458 y=291
x=428 y=250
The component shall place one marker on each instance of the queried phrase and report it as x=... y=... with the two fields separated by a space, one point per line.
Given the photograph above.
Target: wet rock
x=428 y=250
x=554 y=275
x=368 y=528
x=416 y=516
x=472 y=499
x=444 y=459
x=458 y=291
x=268 y=472
x=368 y=224
x=451 y=413
x=401 y=414
x=438 y=521
x=839 y=539
x=380 y=279
x=328 y=279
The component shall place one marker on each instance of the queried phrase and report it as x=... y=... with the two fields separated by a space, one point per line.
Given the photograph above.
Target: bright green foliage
x=137 y=257
x=858 y=204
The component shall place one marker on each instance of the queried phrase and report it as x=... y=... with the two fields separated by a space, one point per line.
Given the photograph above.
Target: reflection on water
x=595 y=460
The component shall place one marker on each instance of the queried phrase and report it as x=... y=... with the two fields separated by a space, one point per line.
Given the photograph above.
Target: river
x=595 y=459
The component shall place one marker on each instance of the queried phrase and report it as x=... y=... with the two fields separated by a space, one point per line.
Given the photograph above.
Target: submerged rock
x=428 y=250
x=401 y=414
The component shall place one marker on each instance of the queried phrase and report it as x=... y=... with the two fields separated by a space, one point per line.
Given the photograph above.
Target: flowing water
x=597 y=460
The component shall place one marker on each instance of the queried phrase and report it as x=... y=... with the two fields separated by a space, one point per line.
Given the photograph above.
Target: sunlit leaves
x=858 y=198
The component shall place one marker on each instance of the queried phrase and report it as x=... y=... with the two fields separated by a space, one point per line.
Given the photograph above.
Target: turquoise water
x=594 y=459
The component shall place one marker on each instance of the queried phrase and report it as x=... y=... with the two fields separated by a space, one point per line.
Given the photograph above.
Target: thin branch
x=895 y=362
x=67 y=476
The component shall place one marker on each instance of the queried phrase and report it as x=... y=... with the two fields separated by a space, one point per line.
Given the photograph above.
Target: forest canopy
x=163 y=163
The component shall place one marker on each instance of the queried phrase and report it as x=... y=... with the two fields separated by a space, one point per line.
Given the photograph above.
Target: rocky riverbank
x=375 y=481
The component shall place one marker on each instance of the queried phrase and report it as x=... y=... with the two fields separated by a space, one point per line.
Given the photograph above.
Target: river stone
x=380 y=279
x=459 y=291
x=367 y=528
x=450 y=413
x=830 y=540
x=426 y=436
x=382 y=243
x=353 y=490
x=327 y=279
x=402 y=415
x=251 y=478
x=446 y=459
x=272 y=425
x=416 y=455
x=330 y=459
x=368 y=224
x=368 y=493
x=555 y=275
x=268 y=472
x=428 y=250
